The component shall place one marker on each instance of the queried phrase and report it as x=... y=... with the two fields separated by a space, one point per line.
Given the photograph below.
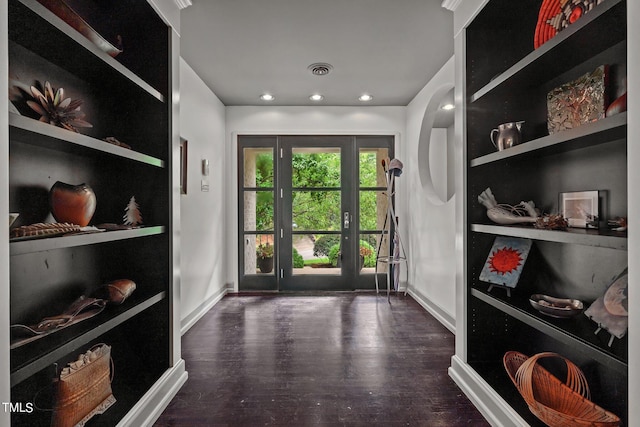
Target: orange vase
x=72 y=203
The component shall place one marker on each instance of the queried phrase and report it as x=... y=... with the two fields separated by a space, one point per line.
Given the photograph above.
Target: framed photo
x=580 y=209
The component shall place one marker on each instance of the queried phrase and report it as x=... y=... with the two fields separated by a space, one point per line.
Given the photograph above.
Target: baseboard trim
x=486 y=400
x=436 y=311
x=201 y=310
x=150 y=406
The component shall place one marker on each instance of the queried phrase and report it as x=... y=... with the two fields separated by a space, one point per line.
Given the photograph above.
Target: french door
x=311 y=211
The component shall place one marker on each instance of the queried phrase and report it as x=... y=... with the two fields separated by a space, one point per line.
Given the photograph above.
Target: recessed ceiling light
x=365 y=97
x=448 y=107
x=267 y=97
x=316 y=97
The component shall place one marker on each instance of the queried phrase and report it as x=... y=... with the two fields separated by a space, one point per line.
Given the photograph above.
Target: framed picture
x=580 y=209
x=183 y=165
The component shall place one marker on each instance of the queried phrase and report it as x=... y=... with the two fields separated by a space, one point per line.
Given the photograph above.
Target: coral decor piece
x=132 y=215
x=55 y=109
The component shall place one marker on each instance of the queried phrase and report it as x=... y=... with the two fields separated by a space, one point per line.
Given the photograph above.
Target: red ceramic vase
x=72 y=203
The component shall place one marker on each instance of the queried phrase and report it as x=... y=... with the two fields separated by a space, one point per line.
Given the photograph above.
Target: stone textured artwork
x=583 y=100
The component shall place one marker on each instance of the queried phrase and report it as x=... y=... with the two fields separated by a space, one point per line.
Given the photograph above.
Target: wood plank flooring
x=328 y=359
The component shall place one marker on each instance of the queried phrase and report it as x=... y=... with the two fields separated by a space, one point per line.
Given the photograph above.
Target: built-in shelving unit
x=125 y=97
x=507 y=80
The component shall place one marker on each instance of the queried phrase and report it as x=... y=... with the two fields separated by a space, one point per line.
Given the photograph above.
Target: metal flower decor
x=57 y=110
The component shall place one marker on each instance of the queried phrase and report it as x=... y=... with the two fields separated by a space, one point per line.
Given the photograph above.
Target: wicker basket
x=555 y=403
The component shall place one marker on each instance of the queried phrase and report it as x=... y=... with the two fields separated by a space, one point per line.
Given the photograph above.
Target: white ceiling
x=387 y=48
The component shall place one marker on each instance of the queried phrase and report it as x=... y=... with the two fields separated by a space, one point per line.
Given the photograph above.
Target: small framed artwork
x=505 y=262
x=580 y=208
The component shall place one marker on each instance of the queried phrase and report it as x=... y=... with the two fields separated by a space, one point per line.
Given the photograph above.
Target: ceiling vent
x=320 y=69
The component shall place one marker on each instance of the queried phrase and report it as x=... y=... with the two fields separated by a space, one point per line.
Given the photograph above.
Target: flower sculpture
x=57 y=110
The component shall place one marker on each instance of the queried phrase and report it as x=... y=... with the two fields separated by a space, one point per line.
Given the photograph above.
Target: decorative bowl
x=12 y=217
x=556 y=307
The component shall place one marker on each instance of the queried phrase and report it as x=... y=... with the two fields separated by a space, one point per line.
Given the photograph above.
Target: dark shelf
x=594 y=32
x=46 y=244
x=600 y=132
x=30 y=131
x=577 y=236
x=63 y=43
x=577 y=332
x=37 y=355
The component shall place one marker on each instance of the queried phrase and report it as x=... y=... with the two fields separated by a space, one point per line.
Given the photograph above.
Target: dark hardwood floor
x=331 y=359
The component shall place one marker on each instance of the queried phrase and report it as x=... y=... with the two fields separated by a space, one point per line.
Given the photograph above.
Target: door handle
x=346 y=219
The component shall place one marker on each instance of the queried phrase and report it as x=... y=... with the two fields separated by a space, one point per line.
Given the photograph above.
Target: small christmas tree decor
x=132 y=215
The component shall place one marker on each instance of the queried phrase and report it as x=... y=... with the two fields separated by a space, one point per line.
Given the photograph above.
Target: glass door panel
x=258 y=255
x=373 y=204
x=315 y=202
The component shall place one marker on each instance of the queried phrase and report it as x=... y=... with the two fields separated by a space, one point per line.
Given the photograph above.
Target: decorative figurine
x=523 y=212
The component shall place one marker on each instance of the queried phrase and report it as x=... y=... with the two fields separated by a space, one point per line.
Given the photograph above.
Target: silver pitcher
x=506 y=135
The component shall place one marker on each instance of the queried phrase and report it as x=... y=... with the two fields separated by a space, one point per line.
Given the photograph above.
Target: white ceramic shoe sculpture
x=523 y=212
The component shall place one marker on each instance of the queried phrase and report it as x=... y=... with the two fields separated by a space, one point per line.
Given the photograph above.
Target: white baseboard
x=150 y=407
x=436 y=311
x=201 y=310
x=486 y=400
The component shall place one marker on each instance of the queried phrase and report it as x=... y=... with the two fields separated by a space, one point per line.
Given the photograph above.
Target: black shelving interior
x=137 y=365
x=30 y=358
x=43 y=33
x=590 y=35
x=126 y=97
x=577 y=332
x=612 y=128
x=30 y=131
x=508 y=80
x=507 y=333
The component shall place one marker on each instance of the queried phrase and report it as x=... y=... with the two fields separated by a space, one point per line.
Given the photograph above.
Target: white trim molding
x=485 y=399
x=452 y=5
x=201 y=310
x=154 y=402
x=182 y=4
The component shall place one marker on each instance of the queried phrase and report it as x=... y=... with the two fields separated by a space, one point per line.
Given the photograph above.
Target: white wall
x=296 y=120
x=203 y=255
x=429 y=232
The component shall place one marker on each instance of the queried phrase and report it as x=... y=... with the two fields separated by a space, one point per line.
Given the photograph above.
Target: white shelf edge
x=65 y=136
x=61 y=242
x=571 y=236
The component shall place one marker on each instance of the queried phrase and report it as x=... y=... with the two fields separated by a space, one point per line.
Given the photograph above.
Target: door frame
x=349 y=279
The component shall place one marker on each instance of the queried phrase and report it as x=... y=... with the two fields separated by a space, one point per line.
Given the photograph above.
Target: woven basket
x=555 y=15
x=84 y=388
x=555 y=403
